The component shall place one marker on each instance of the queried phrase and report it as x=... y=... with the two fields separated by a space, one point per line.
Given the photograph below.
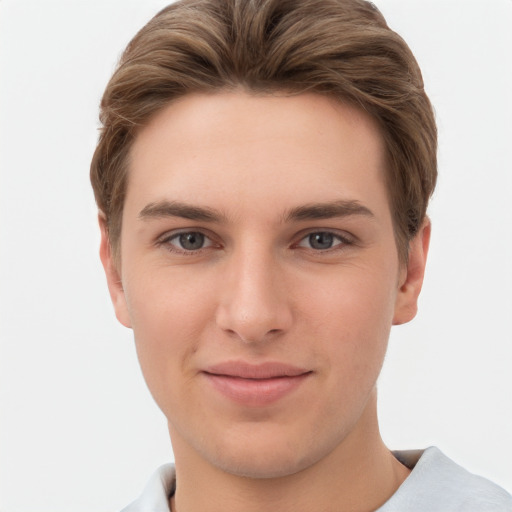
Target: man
x=262 y=177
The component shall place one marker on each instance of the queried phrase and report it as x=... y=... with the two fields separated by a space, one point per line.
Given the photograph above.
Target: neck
x=360 y=475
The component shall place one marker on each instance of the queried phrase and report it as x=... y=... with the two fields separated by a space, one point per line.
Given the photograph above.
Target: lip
x=255 y=385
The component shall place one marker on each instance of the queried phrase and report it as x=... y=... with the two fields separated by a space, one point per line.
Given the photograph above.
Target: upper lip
x=244 y=370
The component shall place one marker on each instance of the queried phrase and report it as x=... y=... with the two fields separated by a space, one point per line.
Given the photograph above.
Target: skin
x=261 y=288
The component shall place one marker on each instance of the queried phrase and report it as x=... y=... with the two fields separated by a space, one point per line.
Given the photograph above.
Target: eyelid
x=166 y=238
x=345 y=238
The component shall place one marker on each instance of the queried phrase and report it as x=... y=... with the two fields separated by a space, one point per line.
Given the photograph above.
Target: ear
x=115 y=285
x=411 y=276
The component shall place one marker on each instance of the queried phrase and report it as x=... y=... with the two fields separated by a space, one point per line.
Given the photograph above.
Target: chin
x=262 y=466
x=276 y=458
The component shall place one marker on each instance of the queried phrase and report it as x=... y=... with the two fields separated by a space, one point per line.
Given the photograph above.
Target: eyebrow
x=162 y=209
x=330 y=210
x=313 y=211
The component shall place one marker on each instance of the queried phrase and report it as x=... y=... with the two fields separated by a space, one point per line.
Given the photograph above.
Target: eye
x=322 y=241
x=189 y=241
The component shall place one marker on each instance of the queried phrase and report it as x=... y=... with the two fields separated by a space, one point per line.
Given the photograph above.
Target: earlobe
x=115 y=285
x=406 y=304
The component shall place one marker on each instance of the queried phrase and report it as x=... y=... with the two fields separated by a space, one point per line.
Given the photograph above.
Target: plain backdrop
x=79 y=432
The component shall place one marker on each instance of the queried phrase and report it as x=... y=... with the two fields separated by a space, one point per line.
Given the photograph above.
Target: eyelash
x=341 y=242
x=167 y=240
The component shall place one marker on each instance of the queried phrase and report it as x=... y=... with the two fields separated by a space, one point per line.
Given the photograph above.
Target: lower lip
x=255 y=392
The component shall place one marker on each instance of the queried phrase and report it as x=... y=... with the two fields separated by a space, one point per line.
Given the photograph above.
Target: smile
x=255 y=385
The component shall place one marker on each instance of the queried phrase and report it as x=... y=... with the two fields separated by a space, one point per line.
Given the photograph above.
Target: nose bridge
x=254 y=303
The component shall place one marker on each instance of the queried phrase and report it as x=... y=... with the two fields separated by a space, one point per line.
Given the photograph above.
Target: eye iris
x=191 y=241
x=321 y=240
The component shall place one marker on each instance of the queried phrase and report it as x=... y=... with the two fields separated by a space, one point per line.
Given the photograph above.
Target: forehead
x=235 y=148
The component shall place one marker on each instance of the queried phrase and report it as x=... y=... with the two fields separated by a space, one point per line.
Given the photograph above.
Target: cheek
x=351 y=319
x=168 y=318
x=352 y=299
x=166 y=303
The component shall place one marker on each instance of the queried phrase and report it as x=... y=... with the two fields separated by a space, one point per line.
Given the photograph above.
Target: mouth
x=255 y=385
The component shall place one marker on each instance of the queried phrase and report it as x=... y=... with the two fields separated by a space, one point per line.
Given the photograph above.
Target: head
x=337 y=48
x=262 y=176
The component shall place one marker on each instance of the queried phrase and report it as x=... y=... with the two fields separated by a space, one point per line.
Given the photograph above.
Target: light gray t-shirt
x=436 y=484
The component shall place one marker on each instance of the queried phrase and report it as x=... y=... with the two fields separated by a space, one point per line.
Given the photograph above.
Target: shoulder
x=436 y=483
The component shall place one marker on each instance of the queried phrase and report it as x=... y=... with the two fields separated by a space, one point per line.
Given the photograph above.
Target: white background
x=78 y=430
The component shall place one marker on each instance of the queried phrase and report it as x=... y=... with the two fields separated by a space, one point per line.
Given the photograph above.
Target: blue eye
x=322 y=241
x=190 y=241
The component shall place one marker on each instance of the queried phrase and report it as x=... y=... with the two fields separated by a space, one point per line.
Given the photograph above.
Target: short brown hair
x=340 y=48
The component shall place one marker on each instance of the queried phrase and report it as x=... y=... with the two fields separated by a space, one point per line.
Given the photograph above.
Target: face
x=260 y=276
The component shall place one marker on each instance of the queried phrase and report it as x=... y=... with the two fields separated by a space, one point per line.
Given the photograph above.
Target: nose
x=254 y=304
